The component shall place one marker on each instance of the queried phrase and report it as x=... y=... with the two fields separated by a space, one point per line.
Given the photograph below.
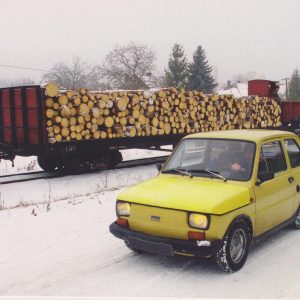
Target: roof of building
x=238 y=90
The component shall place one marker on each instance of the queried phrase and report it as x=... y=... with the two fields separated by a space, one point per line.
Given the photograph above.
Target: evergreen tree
x=294 y=86
x=200 y=73
x=177 y=72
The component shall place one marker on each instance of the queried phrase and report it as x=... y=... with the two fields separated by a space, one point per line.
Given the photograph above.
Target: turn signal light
x=198 y=236
x=122 y=222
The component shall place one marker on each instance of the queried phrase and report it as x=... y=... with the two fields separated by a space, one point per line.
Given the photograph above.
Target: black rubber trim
x=275 y=229
x=178 y=246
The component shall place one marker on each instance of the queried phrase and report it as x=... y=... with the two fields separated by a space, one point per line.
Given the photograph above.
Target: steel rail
x=30 y=176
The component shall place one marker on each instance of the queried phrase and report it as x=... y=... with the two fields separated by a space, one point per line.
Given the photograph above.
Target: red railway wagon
x=290 y=111
x=23 y=132
x=266 y=88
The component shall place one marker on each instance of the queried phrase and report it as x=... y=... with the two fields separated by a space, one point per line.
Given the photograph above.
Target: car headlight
x=198 y=221
x=123 y=209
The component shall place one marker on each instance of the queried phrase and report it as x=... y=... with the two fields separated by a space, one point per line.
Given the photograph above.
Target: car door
x=275 y=197
x=293 y=152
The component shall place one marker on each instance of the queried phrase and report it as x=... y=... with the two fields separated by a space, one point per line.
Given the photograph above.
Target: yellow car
x=216 y=194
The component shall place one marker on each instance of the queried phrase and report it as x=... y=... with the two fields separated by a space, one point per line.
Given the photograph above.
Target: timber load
x=96 y=115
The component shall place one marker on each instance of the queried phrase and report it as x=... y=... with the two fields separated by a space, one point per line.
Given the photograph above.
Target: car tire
x=232 y=254
x=297 y=220
x=133 y=249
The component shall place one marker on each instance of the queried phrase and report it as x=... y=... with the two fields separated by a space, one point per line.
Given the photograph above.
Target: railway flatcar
x=24 y=128
x=23 y=132
x=290 y=110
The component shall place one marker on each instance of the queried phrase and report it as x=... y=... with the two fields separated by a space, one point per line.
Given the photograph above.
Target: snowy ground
x=68 y=251
x=56 y=189
x=64 y=248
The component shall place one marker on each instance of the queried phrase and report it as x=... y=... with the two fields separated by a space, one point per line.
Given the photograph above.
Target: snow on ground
x=29 y=164
x=64 y=248
x=50 y=190
x=21 y=165
x=67 y=250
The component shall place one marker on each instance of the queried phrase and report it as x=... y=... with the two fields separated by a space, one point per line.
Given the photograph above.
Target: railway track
x=30 y=176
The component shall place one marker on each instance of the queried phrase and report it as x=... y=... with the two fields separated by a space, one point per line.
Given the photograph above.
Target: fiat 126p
x=217 y=193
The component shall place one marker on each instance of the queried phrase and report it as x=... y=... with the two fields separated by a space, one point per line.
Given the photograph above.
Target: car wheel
x=133 y=249
x=233 y=253
x=297 y=220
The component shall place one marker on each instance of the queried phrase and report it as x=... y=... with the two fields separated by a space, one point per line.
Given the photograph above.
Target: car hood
x=212 y=196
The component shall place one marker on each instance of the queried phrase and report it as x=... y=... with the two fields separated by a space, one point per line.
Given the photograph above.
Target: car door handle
x=291 y=179
x=298 y=188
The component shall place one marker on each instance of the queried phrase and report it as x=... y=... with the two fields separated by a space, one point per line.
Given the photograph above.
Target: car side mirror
x=265 y=176
x=159 y=166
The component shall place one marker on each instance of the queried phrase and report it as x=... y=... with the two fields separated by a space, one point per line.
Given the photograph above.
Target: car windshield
x=215 y=158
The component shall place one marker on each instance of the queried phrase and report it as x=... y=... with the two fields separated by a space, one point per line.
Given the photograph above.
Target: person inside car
x=242 y=164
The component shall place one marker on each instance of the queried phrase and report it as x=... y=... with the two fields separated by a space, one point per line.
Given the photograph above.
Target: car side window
x=293 y=152
x=262 y=167
x=272 y=158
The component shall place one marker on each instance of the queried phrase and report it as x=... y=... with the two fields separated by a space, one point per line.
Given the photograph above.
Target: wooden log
x=49 y=113
x=163 y=112
x=76 y=101
x=84 y=98
x=81 y=120
x=62 y=100
x=103 y=135
x=65 y=111
x=65 y=132
x=121 y=103
x=83 y=109
x=96 y=112
x=109 y=122
x=49 y=102
x=51 y=90
x=65 y=122
x=90 y=104
x=73 y=111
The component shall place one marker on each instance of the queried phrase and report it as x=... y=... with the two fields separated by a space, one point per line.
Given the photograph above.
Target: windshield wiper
x=216 y=175
x=178 y=171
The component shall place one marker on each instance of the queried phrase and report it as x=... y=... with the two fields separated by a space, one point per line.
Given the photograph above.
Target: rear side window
x=272 y=158
x=293 y=152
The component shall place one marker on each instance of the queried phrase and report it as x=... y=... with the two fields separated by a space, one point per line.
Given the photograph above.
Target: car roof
x=255 y=135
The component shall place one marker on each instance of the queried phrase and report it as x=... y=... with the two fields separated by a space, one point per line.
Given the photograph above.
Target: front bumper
x=164 y=246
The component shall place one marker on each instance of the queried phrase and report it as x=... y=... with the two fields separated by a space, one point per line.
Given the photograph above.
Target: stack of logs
x=84 y=115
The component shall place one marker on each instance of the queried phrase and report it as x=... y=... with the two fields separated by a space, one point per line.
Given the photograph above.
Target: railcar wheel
x=115 y=158
x=234 y=251
x=103 y=162
x=47 y=164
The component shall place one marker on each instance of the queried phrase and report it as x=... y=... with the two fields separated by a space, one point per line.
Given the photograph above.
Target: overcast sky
x=238 y=36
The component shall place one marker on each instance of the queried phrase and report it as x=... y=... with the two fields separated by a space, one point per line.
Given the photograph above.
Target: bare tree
x=17 y=82
x=74 y=75
x=129 y=67
x=245 y=77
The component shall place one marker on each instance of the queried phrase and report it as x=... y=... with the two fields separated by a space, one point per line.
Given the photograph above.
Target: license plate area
x=151 y=247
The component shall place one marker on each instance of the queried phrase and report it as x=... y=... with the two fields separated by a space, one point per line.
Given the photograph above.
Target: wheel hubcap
x=238 y=245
